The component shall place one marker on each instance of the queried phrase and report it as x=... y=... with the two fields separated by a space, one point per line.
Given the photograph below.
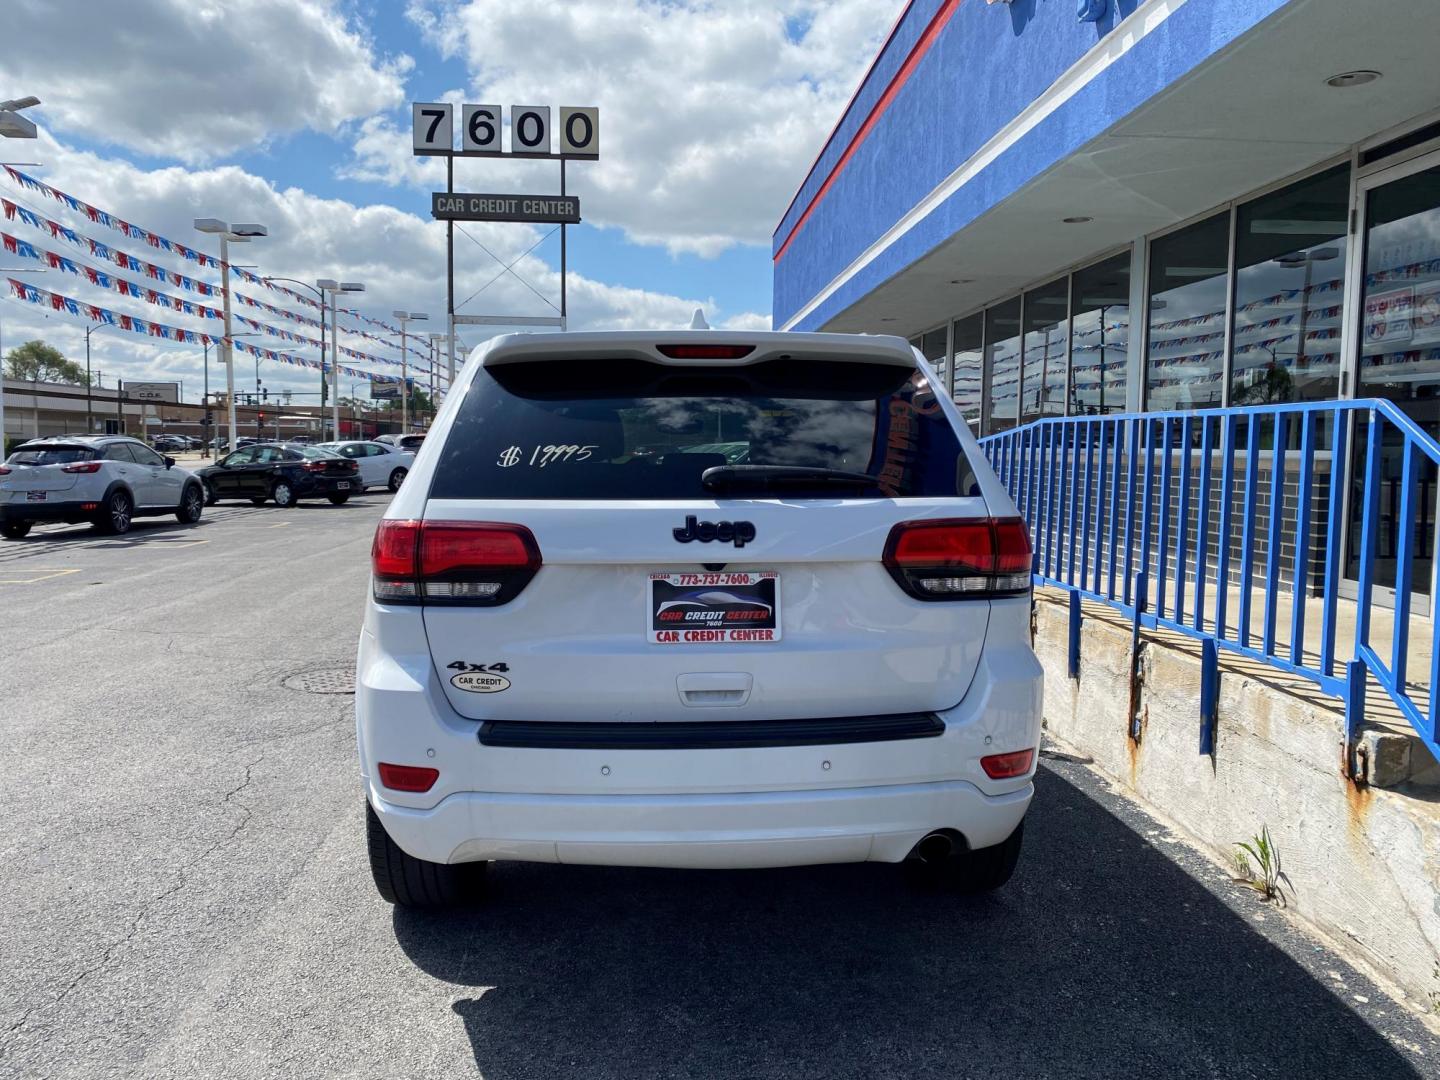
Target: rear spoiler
x=697 y=348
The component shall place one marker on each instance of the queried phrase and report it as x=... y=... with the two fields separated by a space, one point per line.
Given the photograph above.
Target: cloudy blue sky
x=295 y=113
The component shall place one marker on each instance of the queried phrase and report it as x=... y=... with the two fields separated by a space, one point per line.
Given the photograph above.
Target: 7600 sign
x=482 y=131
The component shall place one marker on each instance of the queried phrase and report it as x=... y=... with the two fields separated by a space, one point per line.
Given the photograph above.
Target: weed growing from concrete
x=1257 y=865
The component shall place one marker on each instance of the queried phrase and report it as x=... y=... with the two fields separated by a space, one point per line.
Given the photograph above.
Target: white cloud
x=398 y=255
x=710 y=113
x=195 y=79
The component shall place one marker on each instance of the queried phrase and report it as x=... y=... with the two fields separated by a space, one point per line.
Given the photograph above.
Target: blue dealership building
x=1115 y=205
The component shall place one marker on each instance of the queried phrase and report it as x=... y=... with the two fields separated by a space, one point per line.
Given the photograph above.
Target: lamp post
x=335 y=291
x=324 y=287
x=405 y=317
x=239 y=233
x=89 y=410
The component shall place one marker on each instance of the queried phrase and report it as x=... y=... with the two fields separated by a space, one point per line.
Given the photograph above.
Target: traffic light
x=264 y=394
x=262 y=418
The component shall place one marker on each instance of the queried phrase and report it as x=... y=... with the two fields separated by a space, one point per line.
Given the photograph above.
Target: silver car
x=381 y=464
x=107 y=480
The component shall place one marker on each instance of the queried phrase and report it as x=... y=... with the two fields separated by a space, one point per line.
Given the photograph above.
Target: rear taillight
x=407 y=777
x=1008 y=766
x=960 y=559
x=452 y=562
x=4 y=471
x=81 y=467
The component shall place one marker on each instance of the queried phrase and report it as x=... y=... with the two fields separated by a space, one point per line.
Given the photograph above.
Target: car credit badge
x=708 y=608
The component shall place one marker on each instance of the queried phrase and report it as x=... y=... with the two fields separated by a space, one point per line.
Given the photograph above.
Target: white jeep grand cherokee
x=697 y=599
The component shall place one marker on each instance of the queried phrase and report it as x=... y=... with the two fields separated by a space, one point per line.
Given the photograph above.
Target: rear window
x=50 y=455
x=628 y=429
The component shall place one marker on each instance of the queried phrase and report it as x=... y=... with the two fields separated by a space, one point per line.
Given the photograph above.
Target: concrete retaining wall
x=1363 y=862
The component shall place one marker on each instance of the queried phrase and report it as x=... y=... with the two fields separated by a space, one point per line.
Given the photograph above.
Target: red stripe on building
x=897 y=83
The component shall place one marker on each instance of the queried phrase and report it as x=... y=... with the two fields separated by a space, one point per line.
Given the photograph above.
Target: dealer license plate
x=708 y=608
x=35 y=496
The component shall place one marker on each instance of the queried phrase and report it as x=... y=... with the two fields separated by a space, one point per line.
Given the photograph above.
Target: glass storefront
x=1400 y=354
x=969 y=363
x=1185 y=342
x=1002 y=364
x=1045 y=330
x=1290 y=249
x=1100 y=337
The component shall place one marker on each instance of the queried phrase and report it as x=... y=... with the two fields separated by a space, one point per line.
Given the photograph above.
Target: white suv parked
x=697 y=599
x=107 y=480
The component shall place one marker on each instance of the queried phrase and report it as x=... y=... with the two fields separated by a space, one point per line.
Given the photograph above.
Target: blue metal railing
x=1165 y=517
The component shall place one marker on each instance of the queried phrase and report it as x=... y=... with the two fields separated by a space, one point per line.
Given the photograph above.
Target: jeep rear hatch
x=633 y=538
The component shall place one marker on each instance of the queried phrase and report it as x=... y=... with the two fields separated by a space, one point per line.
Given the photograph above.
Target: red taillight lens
x=952 y=559
x=1008 y=766
x=407 y=777
x=81 y=467
x=705 y=352
x=4 y=471
x=452 y=562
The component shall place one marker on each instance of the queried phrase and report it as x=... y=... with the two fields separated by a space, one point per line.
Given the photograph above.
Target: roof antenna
x=697 y=321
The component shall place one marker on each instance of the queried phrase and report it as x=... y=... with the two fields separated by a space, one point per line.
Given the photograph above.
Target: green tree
x=35 y=361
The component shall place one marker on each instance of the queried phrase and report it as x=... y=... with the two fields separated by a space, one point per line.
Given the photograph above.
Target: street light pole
x=238 y=234
x=405 y=317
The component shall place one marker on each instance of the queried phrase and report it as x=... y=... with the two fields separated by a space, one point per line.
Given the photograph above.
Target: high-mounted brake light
x=957 y=559
x=415 y=778
x=705 y=352
x=81 y=467
x=452 y=562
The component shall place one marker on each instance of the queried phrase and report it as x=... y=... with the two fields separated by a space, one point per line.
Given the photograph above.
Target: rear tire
x=339 y=500
x=408 y=882
x=969 y=873
x=282 y=493
x=192 y=505
x=15 y=530
x=115 y=518
x=210 y=497
x=397 y=478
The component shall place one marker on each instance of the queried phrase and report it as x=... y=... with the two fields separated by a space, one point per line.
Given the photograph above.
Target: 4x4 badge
x=739 y=533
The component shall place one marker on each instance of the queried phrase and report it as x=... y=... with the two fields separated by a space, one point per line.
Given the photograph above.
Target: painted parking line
x=281 y=525
x=30 y=575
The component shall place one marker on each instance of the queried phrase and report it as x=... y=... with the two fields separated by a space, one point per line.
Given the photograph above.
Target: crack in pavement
x=19 y=1025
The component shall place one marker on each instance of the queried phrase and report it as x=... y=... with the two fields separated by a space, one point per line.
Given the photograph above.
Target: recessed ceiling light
x=1079 y=220
x=1352 y=78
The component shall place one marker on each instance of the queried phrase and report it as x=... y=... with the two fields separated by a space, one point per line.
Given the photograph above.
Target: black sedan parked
x=283 y=473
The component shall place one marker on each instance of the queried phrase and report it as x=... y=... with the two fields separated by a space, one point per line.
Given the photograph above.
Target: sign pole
x=450 y=266
x=563 y=324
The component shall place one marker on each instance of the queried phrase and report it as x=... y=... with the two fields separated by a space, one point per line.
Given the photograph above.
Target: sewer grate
x=324 y=681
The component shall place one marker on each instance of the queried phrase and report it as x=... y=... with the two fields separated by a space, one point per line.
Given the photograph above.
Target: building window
x=932 y=347
x=1289 y=292
x=1002 y=364
x=1100 y=337
x=969 y=341
x=1185 y=344
x=1046 y=328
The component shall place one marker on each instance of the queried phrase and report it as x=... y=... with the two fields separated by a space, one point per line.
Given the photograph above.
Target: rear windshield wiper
x=724 y=477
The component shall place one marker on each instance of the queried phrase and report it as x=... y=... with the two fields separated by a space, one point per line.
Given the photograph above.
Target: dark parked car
x=283 y=473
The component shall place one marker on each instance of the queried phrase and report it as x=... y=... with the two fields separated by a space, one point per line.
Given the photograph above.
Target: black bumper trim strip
x=707 y=734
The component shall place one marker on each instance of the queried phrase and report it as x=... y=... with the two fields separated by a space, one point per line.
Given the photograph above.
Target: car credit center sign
x=525 y=208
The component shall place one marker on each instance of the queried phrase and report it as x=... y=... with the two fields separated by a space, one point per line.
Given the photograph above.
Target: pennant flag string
x=155 y=272
x=57 y=302
x=99 y=278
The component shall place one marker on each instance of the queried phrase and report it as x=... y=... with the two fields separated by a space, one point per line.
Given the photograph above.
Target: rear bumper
x=714 y=831
x=319 y=485
x=711 y=807
x=73 y=510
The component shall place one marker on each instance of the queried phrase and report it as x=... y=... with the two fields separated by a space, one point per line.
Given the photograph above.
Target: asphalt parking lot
x=186 y=893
